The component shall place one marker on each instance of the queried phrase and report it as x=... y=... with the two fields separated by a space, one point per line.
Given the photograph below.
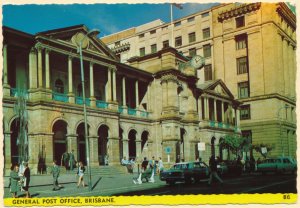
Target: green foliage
x=234 y=142
x=257 y=148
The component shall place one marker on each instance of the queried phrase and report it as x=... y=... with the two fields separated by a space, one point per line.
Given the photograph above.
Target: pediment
x=219 y=88
x=73 y=35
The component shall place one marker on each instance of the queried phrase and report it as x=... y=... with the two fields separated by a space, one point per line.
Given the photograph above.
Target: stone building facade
x=250 y=47
x=136 y=110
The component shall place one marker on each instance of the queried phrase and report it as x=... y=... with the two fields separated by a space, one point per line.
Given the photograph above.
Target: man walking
x=65 y=160
x=213 y=170
x=55 y=172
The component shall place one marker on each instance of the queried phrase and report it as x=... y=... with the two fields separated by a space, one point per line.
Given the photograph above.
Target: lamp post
x=278 y=115
x=91 y=33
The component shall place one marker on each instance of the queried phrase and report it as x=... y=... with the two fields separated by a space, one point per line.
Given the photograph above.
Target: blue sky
x=109 y=18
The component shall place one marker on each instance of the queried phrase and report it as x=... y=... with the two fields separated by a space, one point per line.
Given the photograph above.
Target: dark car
x=187 y=172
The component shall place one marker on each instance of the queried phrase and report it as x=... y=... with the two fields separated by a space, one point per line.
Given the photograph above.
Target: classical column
x=47 y=68
x=291 y=71
x=200 y=108
x=125 y=148
x=138 y=145
x=7 y=149
x=72 y=144
x=114 y=84
x=206 y=108
x=148 y=97
x=137 y=102
x=93 y=143
x=5 y=78
x=285 y=67
x=40 y=67
x=124 y=90
x=280 y=62
x=91 y=80
x=223 y=113
x=215 y=110
x=108 y=85
x=164 y=94
x=32 y=69
x=70 y=74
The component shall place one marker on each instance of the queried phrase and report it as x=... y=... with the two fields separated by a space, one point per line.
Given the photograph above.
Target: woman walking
x=27 y=180
x=14 y=181
x=80 y=173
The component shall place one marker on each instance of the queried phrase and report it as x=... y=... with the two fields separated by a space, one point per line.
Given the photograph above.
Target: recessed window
x=206 y=51
x=245 y=112
x=59 y=86
x=207 y=72
x=206 y=14
x=141 y=35
x=206 y=33
x=166 y=44
x=152 y=32
x=153 y=48
x=243 y=89
x=142 y=51
x=240 y=21
x=241 y=42
x=176 y=24
x=241 y=64
x=192 y=52
x=178 y=41
x=191 y=19
x=192 y=37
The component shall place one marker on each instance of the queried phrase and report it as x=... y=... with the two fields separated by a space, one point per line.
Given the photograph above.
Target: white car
x=277 y=165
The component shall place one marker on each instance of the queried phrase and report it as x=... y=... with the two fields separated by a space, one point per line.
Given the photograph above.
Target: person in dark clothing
x=145 y=164
x=14 y=181
x=213 y=170
x=27 y=180
x=55 y=173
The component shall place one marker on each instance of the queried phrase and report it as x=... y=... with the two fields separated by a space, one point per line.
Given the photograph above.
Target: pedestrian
x=14 y=181
x=55 y=173
x=124 y=162
x=252 y=164
x=27 y=180
x=106 y=159
x=80 y=173
x=72 y=160
x=65 y=160
x=160 y=165
x=144 y=164
x=213 y=170
x=21 y=174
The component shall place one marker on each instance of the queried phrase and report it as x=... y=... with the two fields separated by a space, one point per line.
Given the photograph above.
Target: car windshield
x=180 y=166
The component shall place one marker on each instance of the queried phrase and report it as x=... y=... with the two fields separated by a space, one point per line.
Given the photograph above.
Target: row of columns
x=206 y=110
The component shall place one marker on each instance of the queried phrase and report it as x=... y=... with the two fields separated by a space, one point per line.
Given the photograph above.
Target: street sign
x=168 y=150
x=264 y=150
x=201 y=146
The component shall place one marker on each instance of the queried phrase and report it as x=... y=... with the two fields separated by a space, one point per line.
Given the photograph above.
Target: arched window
x=59 y=86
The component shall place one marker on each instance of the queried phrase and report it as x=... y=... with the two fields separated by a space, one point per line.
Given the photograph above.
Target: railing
x=13 y=92
x=212 y=123
x=227 y=126
x=60 y=97
x=131 y=112
x=220 y=124
x=79 y=100
x=120 y=109
x=144 y=114
x=101 y=104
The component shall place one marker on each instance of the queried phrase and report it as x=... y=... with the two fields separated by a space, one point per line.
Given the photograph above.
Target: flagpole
x=172 y=27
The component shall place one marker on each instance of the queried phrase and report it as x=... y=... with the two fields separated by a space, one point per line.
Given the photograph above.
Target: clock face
x=197 y=61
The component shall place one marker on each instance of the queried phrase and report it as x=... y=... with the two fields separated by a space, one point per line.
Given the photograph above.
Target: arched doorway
x=121 y=142
x=145 y=136
x=213 y=153
x=182 y=136
x=59 y=139
x=132 y=144
x=14 y=150
x=81 y=151
x=102 y=143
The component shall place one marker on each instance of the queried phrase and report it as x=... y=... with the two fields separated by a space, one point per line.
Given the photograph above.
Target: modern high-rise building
x=249 y=47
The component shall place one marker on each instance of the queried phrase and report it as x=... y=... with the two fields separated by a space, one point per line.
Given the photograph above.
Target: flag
x=179 y=6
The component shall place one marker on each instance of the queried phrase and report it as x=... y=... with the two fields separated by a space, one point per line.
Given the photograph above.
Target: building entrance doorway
x=59 y=140
x=102 y=145
x=132 y=144
x=81 y=151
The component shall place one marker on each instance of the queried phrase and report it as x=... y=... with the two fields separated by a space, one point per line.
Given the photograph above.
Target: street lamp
x=278 y=115
x=91 y=33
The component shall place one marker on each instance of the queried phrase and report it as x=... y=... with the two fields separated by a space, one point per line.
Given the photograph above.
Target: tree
x=22 y=116
x=234 y=142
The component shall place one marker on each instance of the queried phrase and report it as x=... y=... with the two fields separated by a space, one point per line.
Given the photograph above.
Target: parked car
x=277 y=165
x=230 y=168
x=187 y=172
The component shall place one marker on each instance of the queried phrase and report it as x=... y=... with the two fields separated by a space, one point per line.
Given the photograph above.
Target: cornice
x=286 y=14
x=237 y=11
